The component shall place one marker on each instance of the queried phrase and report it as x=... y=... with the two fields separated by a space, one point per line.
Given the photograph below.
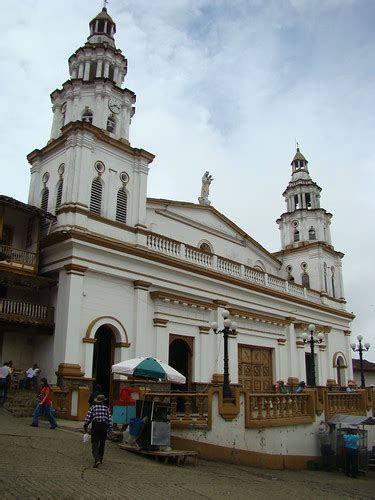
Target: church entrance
x=103 y=359
x=180 y=358
x=255 y=368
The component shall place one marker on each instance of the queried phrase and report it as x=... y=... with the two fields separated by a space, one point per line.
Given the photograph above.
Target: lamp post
x=361 y=348
x=229 y=327
x=310 y=339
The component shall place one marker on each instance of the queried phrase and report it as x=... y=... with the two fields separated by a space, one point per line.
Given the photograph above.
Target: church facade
x=137 y=276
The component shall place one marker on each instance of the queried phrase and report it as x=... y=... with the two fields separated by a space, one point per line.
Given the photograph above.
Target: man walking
x=325 y=445
x=4 y=373
x=100 y=417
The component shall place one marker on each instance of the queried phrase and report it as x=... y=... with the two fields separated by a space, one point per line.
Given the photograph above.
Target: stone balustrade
x=196 y=256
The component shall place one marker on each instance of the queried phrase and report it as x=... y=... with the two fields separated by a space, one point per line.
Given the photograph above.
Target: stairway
x=21 y=403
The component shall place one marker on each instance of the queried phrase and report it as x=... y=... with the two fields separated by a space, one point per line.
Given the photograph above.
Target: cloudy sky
x=225 y=86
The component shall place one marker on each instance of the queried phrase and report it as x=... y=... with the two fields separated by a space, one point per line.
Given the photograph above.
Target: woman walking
x=45 y=406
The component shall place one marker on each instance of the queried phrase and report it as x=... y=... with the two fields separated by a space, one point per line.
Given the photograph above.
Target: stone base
x=217 y=379
x=204 y=201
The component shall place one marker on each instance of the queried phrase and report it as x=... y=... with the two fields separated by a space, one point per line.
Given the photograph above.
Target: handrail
x=26 y=309
x=18 y=255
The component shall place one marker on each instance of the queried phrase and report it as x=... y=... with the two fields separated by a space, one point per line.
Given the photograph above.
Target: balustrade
x=195 y=255
x=350 y=403
x=25 y=309
x=18 y=257
x=187 y=409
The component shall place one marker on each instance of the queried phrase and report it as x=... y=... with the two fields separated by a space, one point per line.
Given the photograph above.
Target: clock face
x=114 y=106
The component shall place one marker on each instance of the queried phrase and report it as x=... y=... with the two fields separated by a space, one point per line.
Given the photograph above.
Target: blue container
x=135 y=426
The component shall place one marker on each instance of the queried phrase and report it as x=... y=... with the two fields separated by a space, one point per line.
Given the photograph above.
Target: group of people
x=281 y=388
x=6 y=376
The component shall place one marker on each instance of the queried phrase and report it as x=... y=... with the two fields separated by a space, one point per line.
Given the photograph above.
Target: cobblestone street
x=42 y=463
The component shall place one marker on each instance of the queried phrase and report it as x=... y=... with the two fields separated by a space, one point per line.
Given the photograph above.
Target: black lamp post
x=310 y=339
x=361 y=348
x=230 y=327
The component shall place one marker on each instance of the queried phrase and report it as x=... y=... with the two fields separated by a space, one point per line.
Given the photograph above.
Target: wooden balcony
x=18 y=259
x=14 y=311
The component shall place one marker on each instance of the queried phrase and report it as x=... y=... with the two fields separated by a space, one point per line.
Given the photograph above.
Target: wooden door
x=255 y=368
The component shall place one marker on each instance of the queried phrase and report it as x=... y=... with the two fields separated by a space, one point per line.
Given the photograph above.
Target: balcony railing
x=187 y=409
x=177 y=249
x=16 y=310
x=348 y=403
x=265 y=410
x=19 y=259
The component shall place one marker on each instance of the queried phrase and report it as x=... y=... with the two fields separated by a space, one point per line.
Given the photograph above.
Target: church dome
x=102 y=24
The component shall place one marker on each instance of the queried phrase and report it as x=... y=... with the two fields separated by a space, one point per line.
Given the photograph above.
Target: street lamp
x=361 y=348
x=230 y=327
x=310 y=339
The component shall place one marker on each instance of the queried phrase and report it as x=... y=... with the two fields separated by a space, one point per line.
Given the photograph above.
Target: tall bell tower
x=308 y=255
x=88 y=166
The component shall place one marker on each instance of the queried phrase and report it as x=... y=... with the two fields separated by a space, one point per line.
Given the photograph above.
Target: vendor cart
x=341 y=425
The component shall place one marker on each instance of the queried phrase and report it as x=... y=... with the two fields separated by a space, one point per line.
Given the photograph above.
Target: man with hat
x=325 y=444
x=100 y=417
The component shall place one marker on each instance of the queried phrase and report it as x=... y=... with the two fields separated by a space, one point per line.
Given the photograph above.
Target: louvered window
x=111 y=124
x=59 y=193
x=96 y=196
x=87 y=116
x=122 y=206
x=44 y=202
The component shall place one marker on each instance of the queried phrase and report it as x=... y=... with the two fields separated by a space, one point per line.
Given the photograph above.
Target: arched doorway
x=180 y=356
x=103 y=358
x=340 y=365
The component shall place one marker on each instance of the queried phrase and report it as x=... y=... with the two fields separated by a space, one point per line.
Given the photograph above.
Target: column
x=68 y=331
x=204 y=355
x=161 y=341
x=80 y=70
x=115 y=75
x=106 y=69
x=99 y=69
x=142 y=330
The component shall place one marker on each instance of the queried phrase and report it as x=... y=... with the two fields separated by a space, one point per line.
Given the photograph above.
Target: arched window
x=305 y=280
x=312 y=234
x=111 y=124
x=290 y=278
x=87 y=116
x=96 y=196
x=44 y=200
x=122 y=205
x=205 y=247
x=296 y=235
x=59 y=193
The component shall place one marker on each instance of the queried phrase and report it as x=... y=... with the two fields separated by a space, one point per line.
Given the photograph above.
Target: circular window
x=295 y=223
x=304 y=265
x=288 y=269
x=61 y=169
x=124 y=178
x=45 y=177
x=99 y=167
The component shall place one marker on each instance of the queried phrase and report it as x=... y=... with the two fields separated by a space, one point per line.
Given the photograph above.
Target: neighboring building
x=26 y=297
x=368 y=370
x=143 y=276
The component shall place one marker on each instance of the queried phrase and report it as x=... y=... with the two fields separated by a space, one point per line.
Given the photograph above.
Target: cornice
x=160 y=322
x=304 y=245
x=99 y=134
x=75 y=269
x=189 y=267
x=181 y=299
x=262 y=318
x=141 y=285
x=318 y=328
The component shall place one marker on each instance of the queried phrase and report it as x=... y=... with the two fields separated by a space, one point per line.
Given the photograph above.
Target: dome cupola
x=102 y=28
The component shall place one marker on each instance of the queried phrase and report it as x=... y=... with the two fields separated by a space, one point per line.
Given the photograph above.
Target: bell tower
x=88 y=168
x=305 y=228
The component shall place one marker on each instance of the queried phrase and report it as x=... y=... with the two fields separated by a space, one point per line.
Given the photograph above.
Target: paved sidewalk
x=39 y=463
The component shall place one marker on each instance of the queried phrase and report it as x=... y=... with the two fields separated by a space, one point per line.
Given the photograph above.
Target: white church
x=133 y=276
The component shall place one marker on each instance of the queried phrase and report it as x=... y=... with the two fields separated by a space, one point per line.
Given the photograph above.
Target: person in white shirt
x=31 y=378
x=4 y=372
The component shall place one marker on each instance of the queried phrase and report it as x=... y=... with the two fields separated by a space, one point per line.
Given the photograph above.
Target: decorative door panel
x=255 y=368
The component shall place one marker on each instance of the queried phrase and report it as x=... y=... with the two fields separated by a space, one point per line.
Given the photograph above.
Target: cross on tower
x=105 y=4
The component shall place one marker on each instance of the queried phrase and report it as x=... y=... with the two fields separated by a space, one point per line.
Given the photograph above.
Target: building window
x=122 y=205
x=205 y=247
x=305 y=280
x=96 y=196
x=296 y=201
x=312 y=234
x=308 y=200
x=111 y=124
x=87 y=116
x=59 y=193
x=44 y=201
x=296 y=236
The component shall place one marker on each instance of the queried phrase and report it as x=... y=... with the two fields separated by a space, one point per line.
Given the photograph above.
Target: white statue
x=205 y=190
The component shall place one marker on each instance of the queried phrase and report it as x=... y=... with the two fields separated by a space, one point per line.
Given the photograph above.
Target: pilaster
x=142 y=331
